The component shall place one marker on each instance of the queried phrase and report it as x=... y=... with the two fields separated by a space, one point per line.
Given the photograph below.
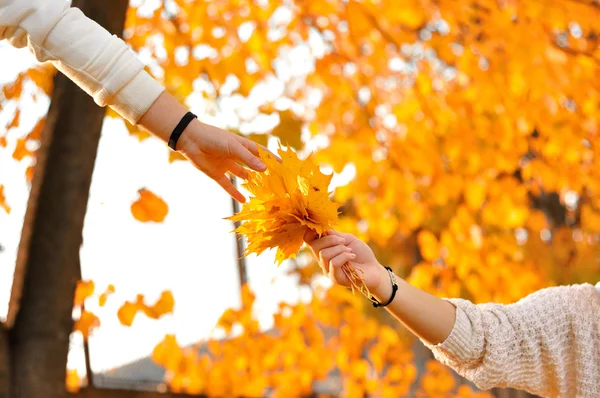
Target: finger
x=238 y=170
x=326 y=255
x=249 y=144
x=226 y=184
x=341 y=259
x=343 y=235
x=335 y=268
x=241 y=153
x=325 y=242
x=310 y=235
x=253 y=147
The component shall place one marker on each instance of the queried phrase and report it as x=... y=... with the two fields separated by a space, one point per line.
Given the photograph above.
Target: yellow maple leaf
x=287 y=200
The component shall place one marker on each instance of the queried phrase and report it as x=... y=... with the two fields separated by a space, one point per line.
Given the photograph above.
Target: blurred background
x=463 y=136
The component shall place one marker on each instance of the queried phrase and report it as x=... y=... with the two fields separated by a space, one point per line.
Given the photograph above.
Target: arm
x=104 y=67
x=98 y=62
x=547 y=343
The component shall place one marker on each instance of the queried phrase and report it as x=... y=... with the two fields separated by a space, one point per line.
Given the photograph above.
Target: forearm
x=428 y=317
x=162 y=117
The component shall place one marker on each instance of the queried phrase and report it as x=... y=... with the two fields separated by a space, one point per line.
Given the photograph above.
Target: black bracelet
x=183 y=123
x=375 y=302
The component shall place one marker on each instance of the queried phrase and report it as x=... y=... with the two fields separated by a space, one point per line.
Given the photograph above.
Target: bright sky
x=192 y=252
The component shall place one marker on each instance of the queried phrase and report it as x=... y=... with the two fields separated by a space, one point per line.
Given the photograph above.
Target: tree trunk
x=4 y=364
x=48 y=261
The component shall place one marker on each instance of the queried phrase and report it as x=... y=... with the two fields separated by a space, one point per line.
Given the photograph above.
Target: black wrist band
x=375 y=302
x=183 y=123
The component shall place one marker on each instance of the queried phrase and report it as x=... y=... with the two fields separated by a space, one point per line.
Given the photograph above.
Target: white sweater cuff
x=136 y=97
x=459 y=345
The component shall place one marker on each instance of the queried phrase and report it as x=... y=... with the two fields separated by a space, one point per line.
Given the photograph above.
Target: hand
x=335 y=249
x=212 y=150
x=216 y=152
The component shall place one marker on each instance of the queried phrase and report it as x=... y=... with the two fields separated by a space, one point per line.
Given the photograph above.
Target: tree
x=34 y=349
x=469 y=130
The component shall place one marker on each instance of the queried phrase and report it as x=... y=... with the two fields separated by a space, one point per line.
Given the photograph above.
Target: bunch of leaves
x=290 y=198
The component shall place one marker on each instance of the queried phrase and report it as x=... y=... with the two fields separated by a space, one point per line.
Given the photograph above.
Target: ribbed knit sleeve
x=98 y=62
x=548 y=343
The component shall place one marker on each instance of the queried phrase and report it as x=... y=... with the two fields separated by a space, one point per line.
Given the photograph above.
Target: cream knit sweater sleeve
x=99 y=63
x=548 y=343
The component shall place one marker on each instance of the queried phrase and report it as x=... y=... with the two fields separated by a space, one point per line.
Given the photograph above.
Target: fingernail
x=353 y=255
x=260 y=165
x=348 y=249
x=342 y=241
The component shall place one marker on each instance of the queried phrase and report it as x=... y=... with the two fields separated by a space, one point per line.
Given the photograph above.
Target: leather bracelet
x=375 y=302
x=183 y=123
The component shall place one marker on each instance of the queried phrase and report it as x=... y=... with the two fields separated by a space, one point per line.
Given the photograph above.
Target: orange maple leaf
x=127 y=313
x=149 y=207
x=287 y=199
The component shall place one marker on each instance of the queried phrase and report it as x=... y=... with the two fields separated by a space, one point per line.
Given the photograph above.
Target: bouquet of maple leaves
x=287 y=200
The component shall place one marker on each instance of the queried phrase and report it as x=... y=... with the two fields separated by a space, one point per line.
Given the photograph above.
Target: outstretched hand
x=212 y=150
x=216 y=152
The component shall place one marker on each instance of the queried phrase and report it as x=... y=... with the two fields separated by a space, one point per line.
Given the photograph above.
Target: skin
x=211 y=150
x=427 y=316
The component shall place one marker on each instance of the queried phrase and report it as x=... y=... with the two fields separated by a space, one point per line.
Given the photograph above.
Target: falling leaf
x=3 y=203
x=83 y=290
x=86 y=323
x=149 y=207
x=127 y=313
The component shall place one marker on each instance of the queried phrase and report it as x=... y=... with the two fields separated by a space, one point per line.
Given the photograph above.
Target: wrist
x=383 y=290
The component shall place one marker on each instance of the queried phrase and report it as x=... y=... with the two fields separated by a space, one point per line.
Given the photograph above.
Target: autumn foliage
x=470 y=134
x=288 y=199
